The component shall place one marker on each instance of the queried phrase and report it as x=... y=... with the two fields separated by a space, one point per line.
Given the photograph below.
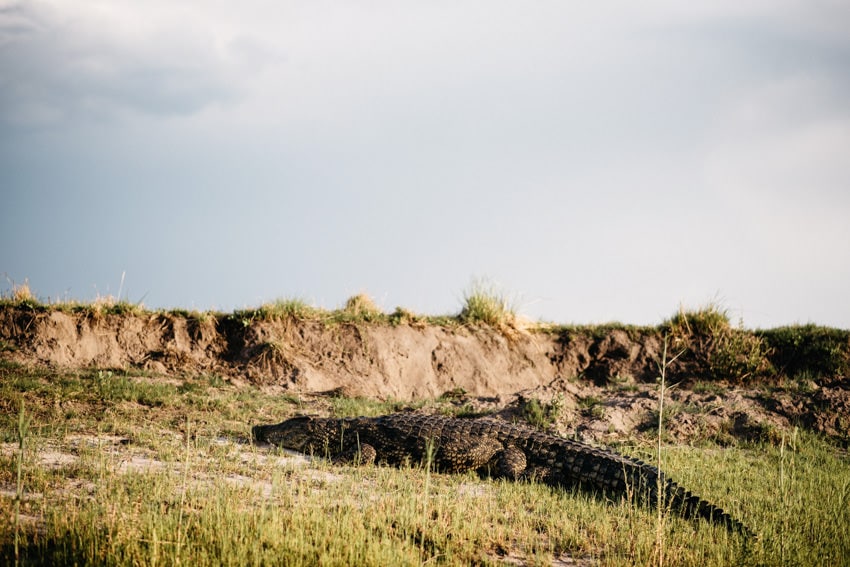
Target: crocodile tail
x=682 y=501
x=693 y=506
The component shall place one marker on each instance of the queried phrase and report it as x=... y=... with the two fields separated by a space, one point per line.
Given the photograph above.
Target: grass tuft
x=720 y=351
x=360 y=308
x=295 y=308
x=278 y=310
x=485 y=303
x=22 y=293
x=402 y=316
x=542 y=415
x=708 y=320
x=362 y=305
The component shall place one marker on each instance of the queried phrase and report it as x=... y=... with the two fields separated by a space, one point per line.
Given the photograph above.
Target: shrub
x=717 y=349
x=809 y=349
x=484 y=303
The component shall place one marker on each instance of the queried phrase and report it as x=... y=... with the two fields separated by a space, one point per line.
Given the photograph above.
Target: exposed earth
x=599 y=384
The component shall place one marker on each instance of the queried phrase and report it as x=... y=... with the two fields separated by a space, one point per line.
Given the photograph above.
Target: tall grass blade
x=23 y=425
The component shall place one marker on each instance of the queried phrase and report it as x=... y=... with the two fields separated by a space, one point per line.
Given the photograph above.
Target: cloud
x=14 y=23
x=60 y=61
x=523 y=140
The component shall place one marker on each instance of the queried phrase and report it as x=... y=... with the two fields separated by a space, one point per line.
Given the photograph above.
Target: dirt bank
x=596 y=382
x=405 y=361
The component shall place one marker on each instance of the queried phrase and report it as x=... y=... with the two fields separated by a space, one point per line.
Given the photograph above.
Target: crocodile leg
x=511 y=463
x=456 y=454
x=360 y=455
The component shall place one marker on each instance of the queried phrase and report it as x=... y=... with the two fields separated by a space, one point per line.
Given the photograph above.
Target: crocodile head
x=301 y=433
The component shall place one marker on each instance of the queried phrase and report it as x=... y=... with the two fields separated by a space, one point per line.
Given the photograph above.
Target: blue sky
x=598 y=161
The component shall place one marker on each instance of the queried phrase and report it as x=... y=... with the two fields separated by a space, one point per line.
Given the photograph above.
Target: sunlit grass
x=122 y=474
x=485 y=303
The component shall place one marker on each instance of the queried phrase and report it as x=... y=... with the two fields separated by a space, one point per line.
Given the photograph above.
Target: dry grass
x=22 y=292
x=362 y=307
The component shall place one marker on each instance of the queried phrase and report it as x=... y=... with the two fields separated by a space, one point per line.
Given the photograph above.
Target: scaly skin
x=489 y=446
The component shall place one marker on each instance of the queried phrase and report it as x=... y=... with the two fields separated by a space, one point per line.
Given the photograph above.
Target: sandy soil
x=602 y=384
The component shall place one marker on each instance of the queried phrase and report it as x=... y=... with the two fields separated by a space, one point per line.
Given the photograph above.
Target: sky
x=594 y=161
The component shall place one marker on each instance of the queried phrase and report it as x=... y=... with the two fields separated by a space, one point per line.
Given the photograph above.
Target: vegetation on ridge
x=713 y=348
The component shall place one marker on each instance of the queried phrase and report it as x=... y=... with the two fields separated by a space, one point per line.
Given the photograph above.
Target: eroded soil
x=600 y=386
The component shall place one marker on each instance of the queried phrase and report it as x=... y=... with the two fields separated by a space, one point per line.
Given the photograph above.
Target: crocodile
x=490 y=447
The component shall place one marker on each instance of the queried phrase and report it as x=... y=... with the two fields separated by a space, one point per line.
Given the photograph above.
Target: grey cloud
x=14 y=23
x=578 y=153
x=51 y=71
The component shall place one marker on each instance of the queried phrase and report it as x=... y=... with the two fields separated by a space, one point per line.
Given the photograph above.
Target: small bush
x=738 y=354
x=484 y=303
x=718 y=350
x=808 y=350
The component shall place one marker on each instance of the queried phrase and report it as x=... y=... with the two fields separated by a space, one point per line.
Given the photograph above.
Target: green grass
x=714 y=348
x=485 y=303
x=706 y=320
x=206 y=497
x=541 y=415
x=592 y=406
x=278 y=310
x=343 y=406
x=702 y=387
x=358 y=309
